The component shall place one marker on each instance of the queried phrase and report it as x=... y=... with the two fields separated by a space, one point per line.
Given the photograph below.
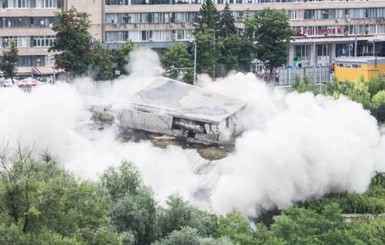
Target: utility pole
x=195 y=61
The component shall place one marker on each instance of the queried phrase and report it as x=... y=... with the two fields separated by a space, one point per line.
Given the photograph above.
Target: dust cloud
x=295 y=146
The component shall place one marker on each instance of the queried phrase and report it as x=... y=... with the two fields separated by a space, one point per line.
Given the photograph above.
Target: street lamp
x=195 y=62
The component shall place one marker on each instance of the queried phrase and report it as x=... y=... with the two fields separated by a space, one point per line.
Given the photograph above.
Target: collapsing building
x=178 y=109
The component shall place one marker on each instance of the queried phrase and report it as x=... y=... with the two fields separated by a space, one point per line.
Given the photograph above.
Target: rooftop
x=186 y=101
x=361 y=60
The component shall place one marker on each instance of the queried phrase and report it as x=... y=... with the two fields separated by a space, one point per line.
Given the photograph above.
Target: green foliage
x=208 y=51
x=72 y=41
x=9 y=61
x=43 y=204
x=190 y=236
x=266 y=217
x=208 y=16
x=185 y=236
x=378 y=99
x=304 y=85
x=12 y=234
x=234 y=226
x=360 y=93
x=235 y=53
x=302 y=226
x=180 y=214
x=371 y=202
x=378 y=106
x=376 y=85
x=250 y=23
x=371 y=230
x=102 y=63
x=132 y=207
x=371 y=94
x=272 y=33
x=218 y=241
x=176 y=60
x=226 y=23
x=120 y=57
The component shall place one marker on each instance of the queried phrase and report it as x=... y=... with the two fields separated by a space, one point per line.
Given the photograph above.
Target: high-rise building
x=324 y=29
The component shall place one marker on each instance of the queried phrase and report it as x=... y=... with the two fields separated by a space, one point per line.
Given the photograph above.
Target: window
x=24 y=61
x=19 y=4
x=46 y=3
x=116 y=36
x=43 y=41
x=302 y=51
x=344 y=49
x=309 y=14
x=323 y=49
x=21 y=42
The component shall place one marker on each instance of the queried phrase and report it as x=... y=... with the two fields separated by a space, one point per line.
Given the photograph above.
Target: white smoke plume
x=304 y=146
x=296 y=146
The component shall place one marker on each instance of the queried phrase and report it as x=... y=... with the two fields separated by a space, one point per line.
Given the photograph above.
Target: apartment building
x=28 y=23
x=324 y=29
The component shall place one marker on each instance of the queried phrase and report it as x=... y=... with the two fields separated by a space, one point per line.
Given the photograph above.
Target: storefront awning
x=45 y=70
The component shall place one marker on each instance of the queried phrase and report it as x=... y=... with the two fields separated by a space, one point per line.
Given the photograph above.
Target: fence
x=316 y=75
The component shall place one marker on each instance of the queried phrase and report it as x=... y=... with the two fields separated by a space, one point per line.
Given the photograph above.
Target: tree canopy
x=73 y=40
x=8 y=64
x=208 y=16
x=41 y=203
x=272 y=34
x=102 y=63
x=178 y=63
x=371 y=94
x=226 y=22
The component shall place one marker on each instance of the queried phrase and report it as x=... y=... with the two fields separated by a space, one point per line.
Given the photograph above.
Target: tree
x=185 y=236
x=226 y=23
x=250 y=24
x=9 y=61
x=102 y=64
x=236 y=53
x=132 y=206
x=72 y=42
x=234 y=226
x=190 y=236
x=181 y=214
x=176 y=59
x=376 y=85
x=208 y=16
x=301 y=226
x=121 y=59
x=208 y=51
x=272 y=33
x=43 y=204
x=370 y=229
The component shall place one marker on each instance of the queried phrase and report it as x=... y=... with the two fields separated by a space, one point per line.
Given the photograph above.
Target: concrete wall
x=95 y=8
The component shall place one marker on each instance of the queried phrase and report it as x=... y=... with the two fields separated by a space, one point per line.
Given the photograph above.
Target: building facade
x=324 y=29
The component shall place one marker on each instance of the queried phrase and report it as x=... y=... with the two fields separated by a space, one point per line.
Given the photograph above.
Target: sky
x=294 y=147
